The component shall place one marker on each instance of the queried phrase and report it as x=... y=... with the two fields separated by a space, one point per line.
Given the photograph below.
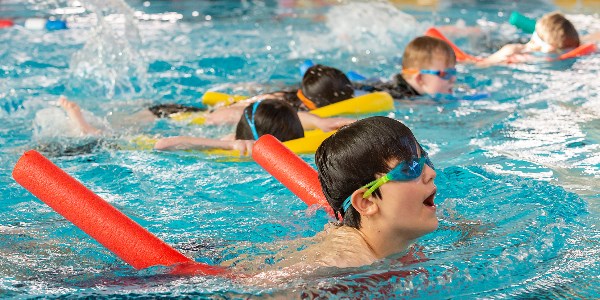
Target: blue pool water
x=518 y=173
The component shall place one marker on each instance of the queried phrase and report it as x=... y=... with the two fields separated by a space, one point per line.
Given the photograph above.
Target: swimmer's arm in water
x=196 y=143
x=591 y=38
x=510 y=52
x=310 y=121
x=74 y=112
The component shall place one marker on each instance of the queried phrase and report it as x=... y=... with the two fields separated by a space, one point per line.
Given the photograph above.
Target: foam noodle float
x=460 y=55
x=294 y=173
x=99 y=219
x=215 y=98
x=522 y=22
x=364 y=104
x=579 y=51
x=5 y=23
x=195 y=118
x=306 y=145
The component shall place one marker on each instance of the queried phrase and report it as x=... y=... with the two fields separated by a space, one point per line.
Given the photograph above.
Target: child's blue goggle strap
x=444 y=74
x=404 y=171
x=251 y=120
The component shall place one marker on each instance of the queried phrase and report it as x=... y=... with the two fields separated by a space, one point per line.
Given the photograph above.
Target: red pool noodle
x=579 y=51
x=294 y=173
x=98 y=218
x=4 y=23
x=460 y=55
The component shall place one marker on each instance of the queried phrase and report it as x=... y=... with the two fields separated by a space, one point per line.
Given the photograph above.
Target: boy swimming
x=380 y=183
x=321 y=85
x=262 y=117
x=428 y=68
x=554 y=34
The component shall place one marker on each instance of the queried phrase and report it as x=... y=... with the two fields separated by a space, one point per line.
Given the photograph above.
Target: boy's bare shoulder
x=338 y=246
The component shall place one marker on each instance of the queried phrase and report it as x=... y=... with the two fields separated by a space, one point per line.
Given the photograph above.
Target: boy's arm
x=195 y=143
x=503 y=55
x=591 y=38
x=310 y=121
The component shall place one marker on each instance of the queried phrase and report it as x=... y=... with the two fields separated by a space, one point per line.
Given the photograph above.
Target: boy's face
x=408 y=206
x=434 y=84
x=536 y=43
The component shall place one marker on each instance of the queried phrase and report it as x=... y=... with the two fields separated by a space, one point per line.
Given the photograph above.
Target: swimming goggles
x=251 y=120
x=307 y=102
x=443 y=74
x=404 y=171
x=535 y=37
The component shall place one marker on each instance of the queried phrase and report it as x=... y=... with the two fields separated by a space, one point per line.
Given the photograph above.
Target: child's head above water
x=323 y=85
x=365 y=151
x=428 y=65
x=553 y=32
x=269 y=117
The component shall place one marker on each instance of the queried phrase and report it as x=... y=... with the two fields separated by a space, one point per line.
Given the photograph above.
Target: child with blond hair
x=428 y=68
x=554 y=35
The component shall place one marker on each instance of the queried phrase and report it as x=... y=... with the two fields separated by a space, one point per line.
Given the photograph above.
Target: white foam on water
x=53 y=122
x=369 y=27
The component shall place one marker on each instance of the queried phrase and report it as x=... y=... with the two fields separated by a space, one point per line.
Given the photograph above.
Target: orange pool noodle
x=98 y=218
x=579 y=51
x=294 y=173
x=460 y=55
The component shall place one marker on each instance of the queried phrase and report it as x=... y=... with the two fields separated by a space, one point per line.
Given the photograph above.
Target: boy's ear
x=419 y=79
x=364 y=206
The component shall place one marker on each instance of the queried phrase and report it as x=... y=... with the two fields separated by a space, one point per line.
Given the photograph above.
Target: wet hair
x=420 y=52
x=325 y=85
x=271 y=117
x=358 y=154
x=556 y=30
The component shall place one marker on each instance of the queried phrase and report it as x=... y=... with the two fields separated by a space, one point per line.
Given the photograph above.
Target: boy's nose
x=429 y=175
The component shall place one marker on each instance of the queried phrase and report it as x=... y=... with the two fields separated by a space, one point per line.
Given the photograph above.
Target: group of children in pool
x=375 y=175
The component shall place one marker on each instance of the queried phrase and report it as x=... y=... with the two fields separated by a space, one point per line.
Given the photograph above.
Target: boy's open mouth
x=429 y=200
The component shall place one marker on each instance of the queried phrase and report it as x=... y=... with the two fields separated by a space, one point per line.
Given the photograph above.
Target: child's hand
x=329 y=124
x=69 y=106
x=244 y=146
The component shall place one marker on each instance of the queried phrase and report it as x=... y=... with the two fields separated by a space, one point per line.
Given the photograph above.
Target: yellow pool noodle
x=365 y=104
x=216 y=98
x=308 y=144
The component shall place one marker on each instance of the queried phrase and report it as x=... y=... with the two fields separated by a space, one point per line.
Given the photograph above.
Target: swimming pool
x=517 y=173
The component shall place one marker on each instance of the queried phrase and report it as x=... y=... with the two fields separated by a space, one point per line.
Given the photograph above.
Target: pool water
x=518 y=173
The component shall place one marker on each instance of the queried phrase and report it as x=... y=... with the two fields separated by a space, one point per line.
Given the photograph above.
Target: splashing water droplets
x=110 y=63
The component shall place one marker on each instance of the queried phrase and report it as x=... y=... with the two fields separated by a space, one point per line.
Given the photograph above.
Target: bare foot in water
x=74 y=113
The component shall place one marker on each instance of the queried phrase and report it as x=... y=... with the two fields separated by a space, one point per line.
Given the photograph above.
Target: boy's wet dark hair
x=325 y=85
x=358 y=154
x=272 y=117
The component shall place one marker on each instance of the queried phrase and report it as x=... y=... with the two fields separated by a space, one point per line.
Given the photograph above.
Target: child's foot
x=74 y=113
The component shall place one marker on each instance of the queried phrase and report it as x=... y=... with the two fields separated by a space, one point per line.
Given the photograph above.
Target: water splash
x=110 y=63
x=365 y=28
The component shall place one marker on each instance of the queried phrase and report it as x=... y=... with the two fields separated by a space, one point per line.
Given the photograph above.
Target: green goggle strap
x=375 y=184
